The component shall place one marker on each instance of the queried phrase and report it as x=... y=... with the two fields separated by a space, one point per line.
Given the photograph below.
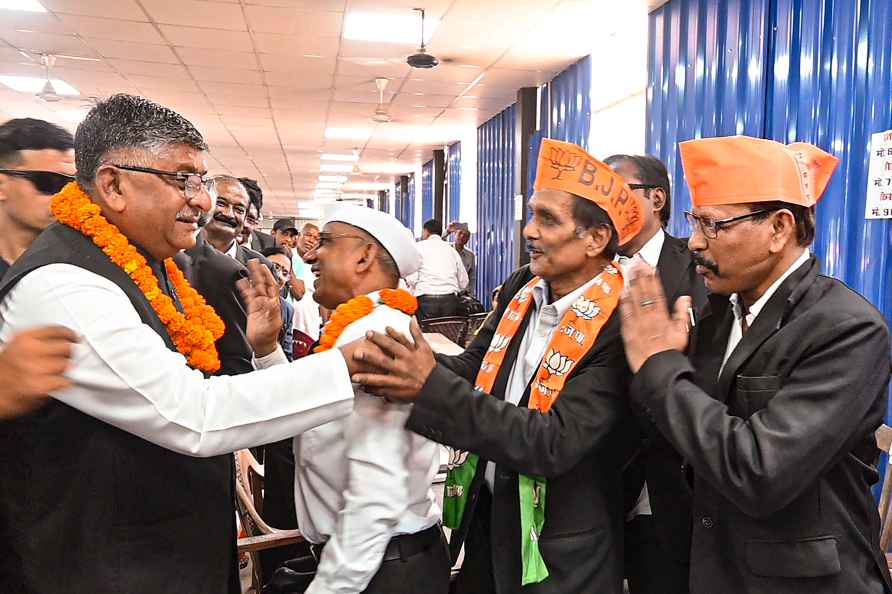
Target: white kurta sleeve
x=124 y=374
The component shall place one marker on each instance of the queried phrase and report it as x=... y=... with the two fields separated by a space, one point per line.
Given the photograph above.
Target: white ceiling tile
x=32 y=21
x=373 y=50
x=193 y=56
x=238 y=41
x=47 y=43
x=270 y=19
x=144 y=52
x=230 y=75
x=329 y=5
x=110 y=9
x=149 y=69
x=297 y=65
x=167 y=83
x=195 y=13
x=425 y=99
x=373 y=67
x=318 y=80
x=112 y=29
x=314 y=44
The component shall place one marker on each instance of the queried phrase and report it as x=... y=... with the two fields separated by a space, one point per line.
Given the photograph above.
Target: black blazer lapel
x=769 y=321
x=672 y=267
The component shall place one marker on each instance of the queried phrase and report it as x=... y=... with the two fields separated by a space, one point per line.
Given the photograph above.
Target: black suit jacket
x=577 y=446
x=782 y=443
x=657 y=462
x=214 y=274
x=261 y=241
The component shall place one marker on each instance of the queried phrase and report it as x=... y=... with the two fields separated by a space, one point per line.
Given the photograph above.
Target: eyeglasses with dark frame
x=711 y=228
x=193 y=183
x=45 y=182
x=643 y=186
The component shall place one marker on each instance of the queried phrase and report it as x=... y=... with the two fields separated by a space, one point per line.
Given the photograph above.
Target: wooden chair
x=249 y=498
x=475 y=321
x=455 y=328
x=884 y=443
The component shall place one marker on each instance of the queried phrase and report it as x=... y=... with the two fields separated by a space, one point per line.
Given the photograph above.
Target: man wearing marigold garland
x=119 y=483
x=363 y=484
x=538 y=500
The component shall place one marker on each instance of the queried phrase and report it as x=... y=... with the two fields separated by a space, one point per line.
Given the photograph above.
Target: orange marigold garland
x=196 y=329
x=359 y=307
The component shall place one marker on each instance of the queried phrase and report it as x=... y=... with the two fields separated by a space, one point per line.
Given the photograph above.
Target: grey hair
x=126 y=122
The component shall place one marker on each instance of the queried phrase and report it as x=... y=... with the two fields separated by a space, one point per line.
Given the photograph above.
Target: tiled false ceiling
x=273 y=84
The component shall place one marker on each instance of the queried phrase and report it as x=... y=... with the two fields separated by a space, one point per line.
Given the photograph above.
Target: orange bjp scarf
x=576 y=333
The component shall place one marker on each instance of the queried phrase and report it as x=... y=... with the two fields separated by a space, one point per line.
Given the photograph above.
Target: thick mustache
x=221 y=218
x=708 y=264
x=532 y=248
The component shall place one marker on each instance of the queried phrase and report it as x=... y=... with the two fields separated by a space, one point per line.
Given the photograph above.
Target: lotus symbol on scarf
x=586 y=308
x=456 y=458
x=499 y=342
x=556 y=363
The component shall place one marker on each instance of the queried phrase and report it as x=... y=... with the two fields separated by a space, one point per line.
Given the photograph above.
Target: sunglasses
x=45 y=182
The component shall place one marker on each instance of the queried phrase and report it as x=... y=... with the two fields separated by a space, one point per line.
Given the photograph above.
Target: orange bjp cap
x=567 y=167
x=742 y=169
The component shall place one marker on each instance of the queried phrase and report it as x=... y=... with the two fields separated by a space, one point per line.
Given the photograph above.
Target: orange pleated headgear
x=742 y=169
x=567 y=167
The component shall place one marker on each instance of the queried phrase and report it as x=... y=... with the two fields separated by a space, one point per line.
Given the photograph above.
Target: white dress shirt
x=124 y=374
x=650 y=255
x=363 y=479
x=544 y=320
x=306 y=311
x=736 y=331
x=442 y=271
x=232 y=252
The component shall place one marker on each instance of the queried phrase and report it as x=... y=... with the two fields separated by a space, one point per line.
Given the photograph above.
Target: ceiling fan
x=422 y=59
x=381 y=116
x=50 y=94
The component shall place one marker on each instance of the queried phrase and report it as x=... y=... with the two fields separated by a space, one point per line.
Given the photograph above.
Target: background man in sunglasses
x=657 y=496
x=775 y=406
x=36 y=161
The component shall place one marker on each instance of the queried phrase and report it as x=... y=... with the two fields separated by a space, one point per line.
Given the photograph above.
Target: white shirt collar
x=233 y=250
x=437 y=237
x=562 y=305
x=650 y=251
x=757 y=306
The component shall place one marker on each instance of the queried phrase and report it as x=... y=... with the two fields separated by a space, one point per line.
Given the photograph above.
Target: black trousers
x=649 y=567
x=476 y=576
x=278 y=504
x=438 y=306
x=426 y=572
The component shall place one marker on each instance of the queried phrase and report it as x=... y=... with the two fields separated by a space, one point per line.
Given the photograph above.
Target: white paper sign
x=879 y=177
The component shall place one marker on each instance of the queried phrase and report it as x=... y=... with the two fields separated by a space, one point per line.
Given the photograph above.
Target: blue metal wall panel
x=453 y=166
x=707 y=68
x=570 y=106
x=409 y=205
x=825 y=75
x=427 y=191
x=495 y=202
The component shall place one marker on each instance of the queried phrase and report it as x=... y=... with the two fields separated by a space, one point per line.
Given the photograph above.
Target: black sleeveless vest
x=86 y=508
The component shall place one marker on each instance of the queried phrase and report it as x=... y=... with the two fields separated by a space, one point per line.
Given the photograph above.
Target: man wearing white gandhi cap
x=363 y=483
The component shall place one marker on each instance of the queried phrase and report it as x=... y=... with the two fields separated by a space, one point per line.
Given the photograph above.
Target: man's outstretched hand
x=401 y=367
x=261 y=296
x=33 y=364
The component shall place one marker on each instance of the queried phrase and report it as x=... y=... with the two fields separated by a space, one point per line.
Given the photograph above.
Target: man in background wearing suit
x=258 y=239
x=657 y=495
x=775 y=404
x=538 y=500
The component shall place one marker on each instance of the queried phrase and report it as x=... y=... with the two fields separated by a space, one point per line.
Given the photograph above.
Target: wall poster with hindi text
x=879 y=177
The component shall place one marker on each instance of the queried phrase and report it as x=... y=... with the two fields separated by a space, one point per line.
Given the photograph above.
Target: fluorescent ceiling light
x=23 y=5
x=333 y=178
x=387 y=27
x=369 y=186
x=337 y=167
x=347 y=133
x=358 y=196
x=34 y=84
x=327 y=187
x=336 y=157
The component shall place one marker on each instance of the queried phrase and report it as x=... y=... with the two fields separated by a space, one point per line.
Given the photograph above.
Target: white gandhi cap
x=385 y=228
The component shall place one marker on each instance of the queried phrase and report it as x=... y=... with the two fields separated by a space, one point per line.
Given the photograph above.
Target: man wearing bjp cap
x=363 y=483
x=775 y=406
x=536 y=407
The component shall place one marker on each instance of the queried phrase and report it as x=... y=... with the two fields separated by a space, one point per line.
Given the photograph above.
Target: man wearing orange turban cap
x=538 y=399
x=774 y=407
